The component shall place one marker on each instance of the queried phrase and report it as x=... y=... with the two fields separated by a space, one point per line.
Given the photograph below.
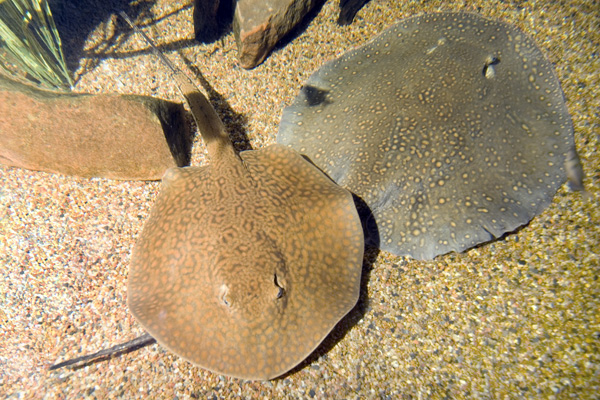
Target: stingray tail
x=123 y=348
x=209 y=124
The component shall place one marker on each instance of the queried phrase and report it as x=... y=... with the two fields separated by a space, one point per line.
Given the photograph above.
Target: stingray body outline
x=451 y=127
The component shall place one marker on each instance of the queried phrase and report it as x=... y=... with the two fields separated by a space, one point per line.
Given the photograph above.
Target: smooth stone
x=258 y=26
x=125 y=137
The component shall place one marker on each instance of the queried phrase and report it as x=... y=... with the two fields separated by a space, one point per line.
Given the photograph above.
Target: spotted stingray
x=244 y=265
x=451 y=127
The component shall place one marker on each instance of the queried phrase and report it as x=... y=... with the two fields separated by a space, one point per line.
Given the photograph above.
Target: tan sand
x=516 y=318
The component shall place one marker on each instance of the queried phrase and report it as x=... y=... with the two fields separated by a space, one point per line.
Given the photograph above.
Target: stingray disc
x=244 y=272
x=451 y=127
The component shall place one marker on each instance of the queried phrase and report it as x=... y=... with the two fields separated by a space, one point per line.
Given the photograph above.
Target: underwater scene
x=299 y=199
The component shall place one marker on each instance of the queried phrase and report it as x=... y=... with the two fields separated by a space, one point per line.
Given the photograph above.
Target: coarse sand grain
x=514 y=318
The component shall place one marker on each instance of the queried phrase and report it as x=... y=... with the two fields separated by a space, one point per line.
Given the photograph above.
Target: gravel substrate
x=515 y=318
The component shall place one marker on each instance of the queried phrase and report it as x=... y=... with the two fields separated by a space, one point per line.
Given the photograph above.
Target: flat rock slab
x=259 y=24
x=121 y=137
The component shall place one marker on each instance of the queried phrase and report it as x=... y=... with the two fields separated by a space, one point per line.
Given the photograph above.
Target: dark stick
x=123 y=348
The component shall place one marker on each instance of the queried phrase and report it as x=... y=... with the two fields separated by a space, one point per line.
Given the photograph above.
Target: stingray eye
x=278 y=284
x=488 y=69
x=223 y=290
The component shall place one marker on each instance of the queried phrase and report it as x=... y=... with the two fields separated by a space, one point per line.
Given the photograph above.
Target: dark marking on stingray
x=314 y=96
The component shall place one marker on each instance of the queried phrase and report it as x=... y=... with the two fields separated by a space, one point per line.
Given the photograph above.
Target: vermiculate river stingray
x=245 y=265
x=451 y=127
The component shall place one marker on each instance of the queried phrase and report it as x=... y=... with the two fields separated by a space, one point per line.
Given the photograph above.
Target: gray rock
x=110 y=136
x=259 y=24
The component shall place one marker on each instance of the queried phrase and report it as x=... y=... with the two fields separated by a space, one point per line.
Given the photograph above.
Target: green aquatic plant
x=29 y=40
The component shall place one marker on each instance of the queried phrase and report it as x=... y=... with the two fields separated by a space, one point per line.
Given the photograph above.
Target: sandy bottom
x=518 y=317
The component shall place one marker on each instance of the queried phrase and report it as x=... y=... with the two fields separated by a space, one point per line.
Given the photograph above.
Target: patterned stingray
x=451 y=127
x=245 y=265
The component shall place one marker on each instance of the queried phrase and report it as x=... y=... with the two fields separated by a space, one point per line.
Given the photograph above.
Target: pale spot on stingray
x=473 y=92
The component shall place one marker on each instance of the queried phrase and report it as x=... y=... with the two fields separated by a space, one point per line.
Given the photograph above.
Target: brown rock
x=109 y=136
x=259 y=24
